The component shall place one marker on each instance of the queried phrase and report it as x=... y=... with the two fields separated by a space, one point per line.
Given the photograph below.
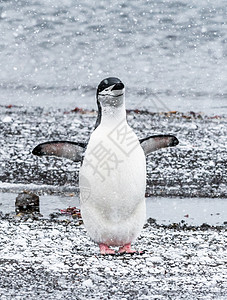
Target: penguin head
x=110 y=92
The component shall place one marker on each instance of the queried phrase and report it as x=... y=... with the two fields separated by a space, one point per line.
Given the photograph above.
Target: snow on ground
x=54 y=259
x=44 y=259
x=195 y=168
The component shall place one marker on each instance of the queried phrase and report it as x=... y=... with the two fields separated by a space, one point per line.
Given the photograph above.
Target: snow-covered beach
x=172 y=58
x=55 y=259
x=195 y=168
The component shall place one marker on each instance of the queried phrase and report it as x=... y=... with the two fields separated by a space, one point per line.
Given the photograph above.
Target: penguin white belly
x=112 y=187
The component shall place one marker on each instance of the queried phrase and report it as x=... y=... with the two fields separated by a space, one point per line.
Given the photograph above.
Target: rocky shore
x=42 y=259
x=197 y=167
x=55 y=259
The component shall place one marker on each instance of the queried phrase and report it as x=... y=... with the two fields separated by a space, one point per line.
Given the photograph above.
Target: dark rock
x=27 y=203
x=205 y=226
x=151 y=221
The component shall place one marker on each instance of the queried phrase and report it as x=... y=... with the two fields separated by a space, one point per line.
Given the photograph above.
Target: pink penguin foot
x=104 y=249
x=126 y=249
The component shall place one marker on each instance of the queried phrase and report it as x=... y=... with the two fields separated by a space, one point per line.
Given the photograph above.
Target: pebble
x=7 y=119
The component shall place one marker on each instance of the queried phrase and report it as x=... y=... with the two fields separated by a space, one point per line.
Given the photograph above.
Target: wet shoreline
x=164 y=211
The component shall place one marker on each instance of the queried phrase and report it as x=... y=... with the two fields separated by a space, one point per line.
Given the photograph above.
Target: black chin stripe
x=118 y=95
x=102 y=95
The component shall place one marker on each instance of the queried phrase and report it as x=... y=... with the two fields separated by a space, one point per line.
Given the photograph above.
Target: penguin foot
x=104 y=249
x=126 y=249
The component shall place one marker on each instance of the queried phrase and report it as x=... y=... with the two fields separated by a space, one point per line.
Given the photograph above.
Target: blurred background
x=171 y=55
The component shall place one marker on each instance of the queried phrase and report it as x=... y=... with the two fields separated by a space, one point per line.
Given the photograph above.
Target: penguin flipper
x=70 y=150
x=155 y=142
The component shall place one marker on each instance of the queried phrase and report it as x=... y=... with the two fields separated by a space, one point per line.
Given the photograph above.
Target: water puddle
x=194 y=211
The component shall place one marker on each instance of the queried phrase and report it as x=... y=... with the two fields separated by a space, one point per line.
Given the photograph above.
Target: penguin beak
x=118 y=90
x=118 y=86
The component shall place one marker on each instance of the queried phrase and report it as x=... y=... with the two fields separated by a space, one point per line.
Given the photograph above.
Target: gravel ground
x=54 y=259
x=44 y=259
x=197 y=167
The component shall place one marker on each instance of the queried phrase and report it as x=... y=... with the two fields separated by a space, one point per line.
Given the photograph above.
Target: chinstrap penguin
x=112 y=176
